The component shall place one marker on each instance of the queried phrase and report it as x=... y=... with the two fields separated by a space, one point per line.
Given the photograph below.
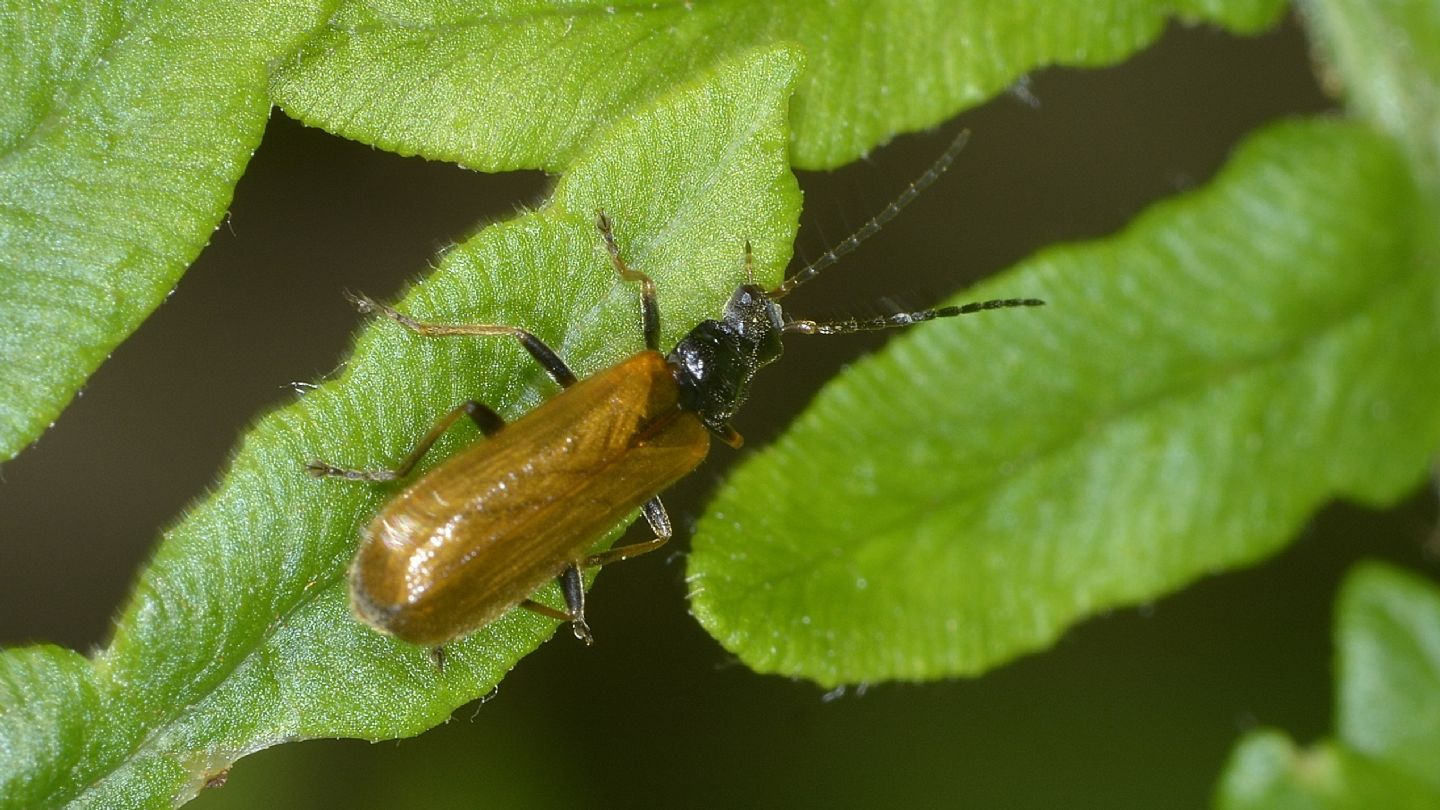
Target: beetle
x=484 y=530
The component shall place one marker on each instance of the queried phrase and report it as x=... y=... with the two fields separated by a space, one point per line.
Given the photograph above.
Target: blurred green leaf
x=124 y=129
x=239 y=635
x=1388 y=641
x=1197 y=386
x=524 y=84
x=1384 y=57
x=1388 y=751
x=1267 y=772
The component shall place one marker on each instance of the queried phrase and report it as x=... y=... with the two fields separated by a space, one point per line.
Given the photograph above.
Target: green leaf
x=239 y=635
x=1385 y=58
x=1267 y=772
x=124 y=129
x=1388 y=637
x=1197 y=386
x=1388 y=629
x=1388 y=751
x=48 y=697
x=524 y=84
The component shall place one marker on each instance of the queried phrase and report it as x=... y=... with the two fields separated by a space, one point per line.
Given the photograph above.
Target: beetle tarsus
x=582 y=631
x=320 y=469
x=362 y=302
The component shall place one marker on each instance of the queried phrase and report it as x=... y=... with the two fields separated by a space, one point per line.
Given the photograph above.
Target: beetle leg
x=649 y=308
x=544 y=355
x=729 y=435
x=572 y=585
x=573 y=588
x=659 y=522
x=486 y=419
x=544 y=610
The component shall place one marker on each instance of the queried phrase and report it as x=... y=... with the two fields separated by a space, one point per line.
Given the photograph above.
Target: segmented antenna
x=902 y=319
x=877 y=222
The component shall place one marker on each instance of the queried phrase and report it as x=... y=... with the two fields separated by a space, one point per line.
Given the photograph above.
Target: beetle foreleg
x=649 y=309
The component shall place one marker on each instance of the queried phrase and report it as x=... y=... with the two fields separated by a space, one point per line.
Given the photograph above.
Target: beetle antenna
x=877 y=222
x=902 y=318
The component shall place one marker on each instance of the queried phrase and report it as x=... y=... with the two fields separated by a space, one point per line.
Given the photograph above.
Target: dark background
x=1134 y=709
